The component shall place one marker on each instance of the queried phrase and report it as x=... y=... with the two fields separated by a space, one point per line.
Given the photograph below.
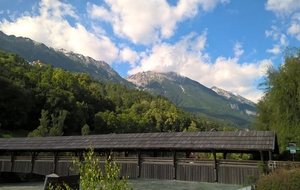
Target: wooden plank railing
x=189 y=169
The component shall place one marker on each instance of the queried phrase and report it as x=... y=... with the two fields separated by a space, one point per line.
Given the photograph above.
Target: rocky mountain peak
x=144 y=78
x=230 y=95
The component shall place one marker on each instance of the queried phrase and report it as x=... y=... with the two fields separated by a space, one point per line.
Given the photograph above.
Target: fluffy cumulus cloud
x=146 y=22
x=50 y=27
x=130 y=56
x=283 y=8
x=289 y=10
x=188 y=58
x=151 y=25
x=294 y=29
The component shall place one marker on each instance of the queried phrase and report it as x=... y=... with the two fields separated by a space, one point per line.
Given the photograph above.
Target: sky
x=225 y=43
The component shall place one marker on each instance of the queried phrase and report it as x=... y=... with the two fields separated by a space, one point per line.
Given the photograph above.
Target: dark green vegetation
x=280 y=180
x=279 y=109
x=50 y=101
x=33 y=51
x=196 y=98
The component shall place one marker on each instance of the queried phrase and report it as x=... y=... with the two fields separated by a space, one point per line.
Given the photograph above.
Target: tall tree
x=279 y=108
x=43 y=128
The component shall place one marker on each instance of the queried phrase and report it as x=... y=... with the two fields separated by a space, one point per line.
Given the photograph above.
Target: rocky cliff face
x=192 y=96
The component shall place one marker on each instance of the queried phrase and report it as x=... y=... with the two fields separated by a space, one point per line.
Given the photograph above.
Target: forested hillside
x=47 y=101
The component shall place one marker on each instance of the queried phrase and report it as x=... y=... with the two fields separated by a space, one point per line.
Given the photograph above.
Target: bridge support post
x=270 y=156
x=108 y=155
x=139 y=163
x=261 y=156
x=174 y=165
x=215 y=165
x=224 y=155
x=12 y=160
x=33 y=155
x=55 y=156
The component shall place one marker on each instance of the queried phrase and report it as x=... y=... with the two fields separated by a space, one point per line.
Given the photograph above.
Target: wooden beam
x=108 y=155
x=174 y=165
x=32 y=161
x=55 y=157
x=139 y=163
x=12 y=161
x=261 y=156
x=215 y=165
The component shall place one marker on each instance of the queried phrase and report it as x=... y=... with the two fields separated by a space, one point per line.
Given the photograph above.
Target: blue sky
x=224 y=43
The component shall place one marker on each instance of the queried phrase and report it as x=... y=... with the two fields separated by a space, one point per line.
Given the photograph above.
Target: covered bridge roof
x=220 y=141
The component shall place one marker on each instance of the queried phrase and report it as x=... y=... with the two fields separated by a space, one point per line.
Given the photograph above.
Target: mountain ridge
x=192 y=96
x=31 y=50
x=182 y=91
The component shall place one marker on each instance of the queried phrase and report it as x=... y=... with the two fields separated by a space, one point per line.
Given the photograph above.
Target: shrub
x=93 y=177
x=280 y=180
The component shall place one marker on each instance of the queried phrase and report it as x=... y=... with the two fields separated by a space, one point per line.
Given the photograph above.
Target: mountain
x=33 y=51
x=237 y=102
x=214 y=104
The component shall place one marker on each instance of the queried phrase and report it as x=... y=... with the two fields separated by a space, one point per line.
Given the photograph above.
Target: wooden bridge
x=145 y=155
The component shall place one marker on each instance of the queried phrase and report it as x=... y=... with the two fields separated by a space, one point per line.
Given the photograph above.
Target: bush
x=280 y=180
x=93 y=177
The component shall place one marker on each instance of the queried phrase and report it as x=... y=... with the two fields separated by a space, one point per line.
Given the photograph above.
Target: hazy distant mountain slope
x=194 y=97
x=33 y=51
x=237 y=102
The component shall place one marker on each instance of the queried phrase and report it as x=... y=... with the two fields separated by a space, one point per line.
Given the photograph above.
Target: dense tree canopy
x=47 y=101
x=279 y=109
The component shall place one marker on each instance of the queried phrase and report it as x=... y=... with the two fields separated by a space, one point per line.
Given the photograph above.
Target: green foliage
x=279 y=109
x=263 y=168
x=92 y=177
x=85 y=130
x=280 y=180
x=45 y=129
x=50 y=102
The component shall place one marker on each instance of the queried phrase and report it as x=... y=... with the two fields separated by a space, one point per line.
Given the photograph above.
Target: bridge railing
x=189 y=169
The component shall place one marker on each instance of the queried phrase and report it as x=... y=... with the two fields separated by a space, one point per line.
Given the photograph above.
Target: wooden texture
x=225 y=141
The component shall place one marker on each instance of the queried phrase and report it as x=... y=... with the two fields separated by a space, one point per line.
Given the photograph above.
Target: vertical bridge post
x=174 y=165
x=215 y=165
x=33 y=155
x=138 y=163
x=55 y=157
x=12 y=161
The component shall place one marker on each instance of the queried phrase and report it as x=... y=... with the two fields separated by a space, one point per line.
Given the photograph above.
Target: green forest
x=45 y=101
x=279 y=108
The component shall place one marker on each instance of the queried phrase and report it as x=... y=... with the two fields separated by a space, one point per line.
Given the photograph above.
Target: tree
x=85 y=130
x=93 y=177
x=279 y=108
x=43 y=128
x=58 y=123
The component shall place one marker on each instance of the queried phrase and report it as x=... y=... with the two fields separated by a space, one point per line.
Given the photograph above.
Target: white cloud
x=238 y=49
x=99 y=12
x=50 y=27
x=55 y=9
x=283 y=7
x=294 y=30
x=128 y=55
x=289 y=11
x=147 y=22
x=189 y=60
x=275 y=50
